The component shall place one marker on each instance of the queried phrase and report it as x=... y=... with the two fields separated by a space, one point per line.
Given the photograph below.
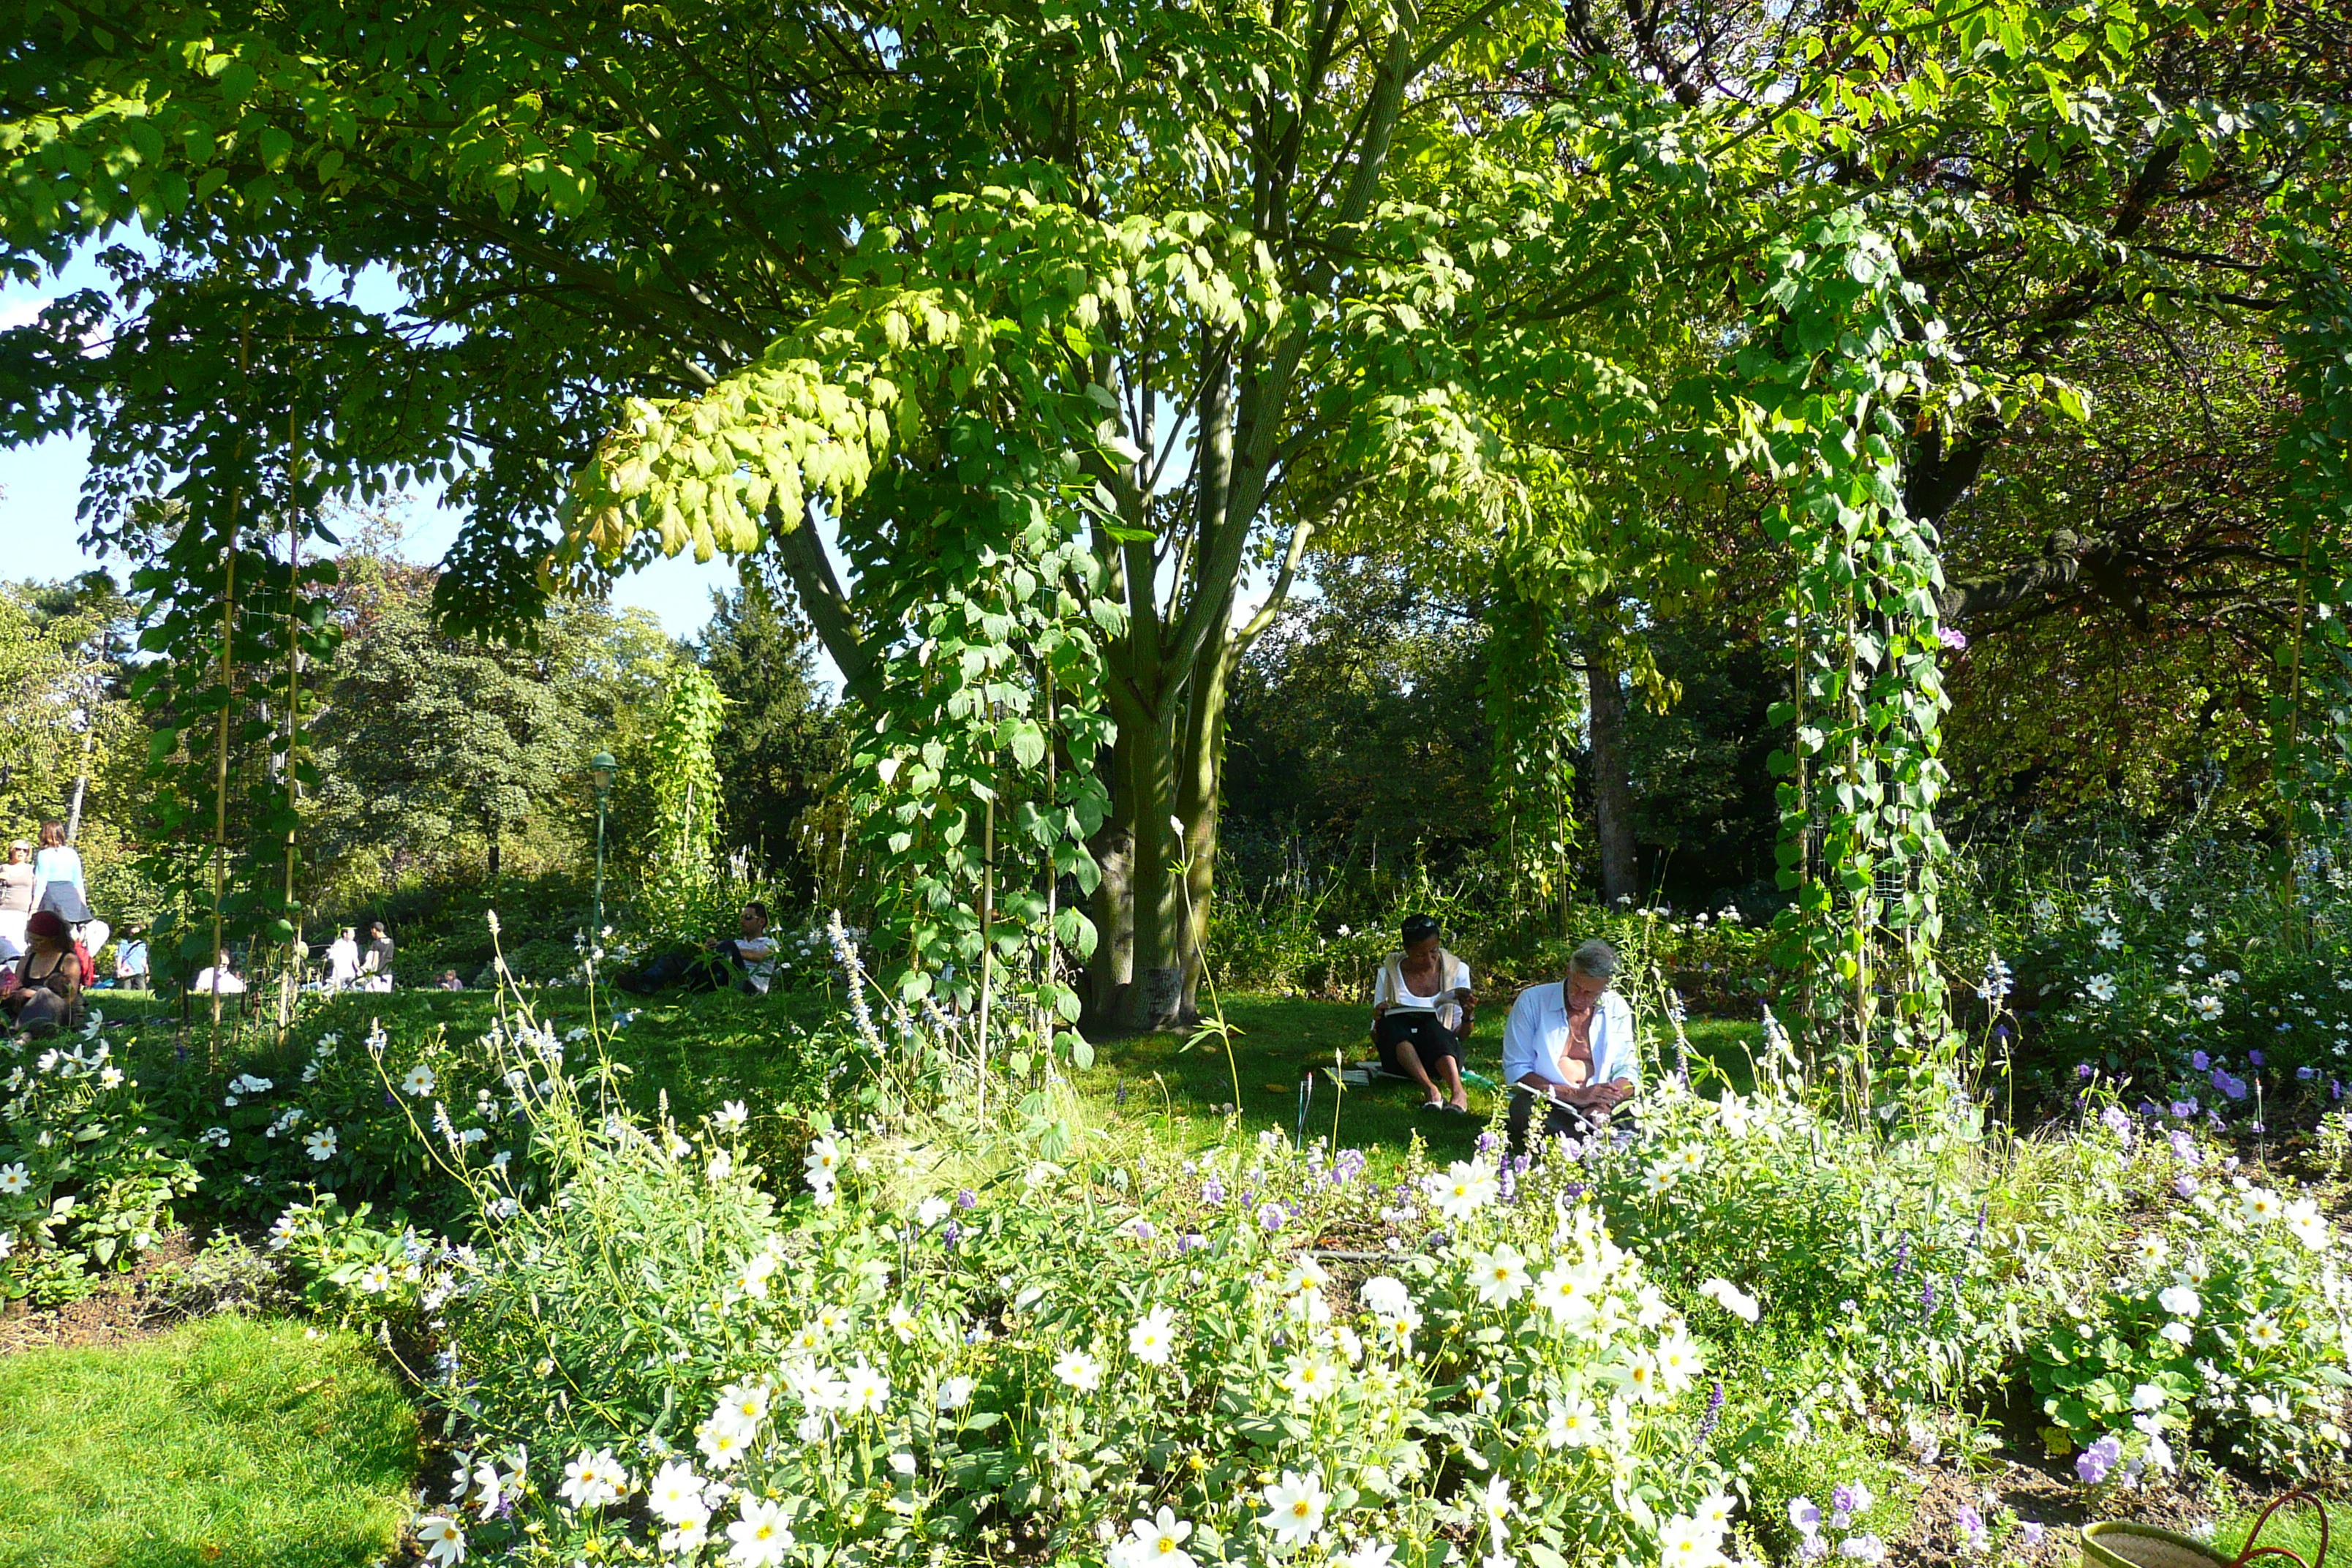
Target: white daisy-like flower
x=1156 y=1543
x=1294 y=1505
x=2262 y=1333
x=1572 y=1423
x=418 y=1081
x=675 y=1495
x=321 y=1145
x=592 y=1481
x=1499 y=1277
x=1384 y=1296
x=1078 y=1371
x=443 y=1539
x=376 y=1279
x=14 y=1180
x=866 y=1391
x=761 y=1536
x=1308 y=1379
x=1153 y=1337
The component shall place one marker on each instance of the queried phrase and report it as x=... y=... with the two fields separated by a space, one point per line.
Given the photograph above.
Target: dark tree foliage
x=781 y=743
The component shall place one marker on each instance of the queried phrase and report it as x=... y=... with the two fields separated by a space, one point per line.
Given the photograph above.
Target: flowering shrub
x=2229 y=1322
x=1117 y=1352
x=83 y=1180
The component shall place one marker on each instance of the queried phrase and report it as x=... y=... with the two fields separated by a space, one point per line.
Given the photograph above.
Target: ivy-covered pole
x=1842 y=343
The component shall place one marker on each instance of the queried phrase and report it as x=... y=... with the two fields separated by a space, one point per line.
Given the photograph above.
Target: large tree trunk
x=1612 y=784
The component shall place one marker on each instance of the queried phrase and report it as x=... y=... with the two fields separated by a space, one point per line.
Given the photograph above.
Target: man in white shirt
x=217 y=976
x=1570 y=1043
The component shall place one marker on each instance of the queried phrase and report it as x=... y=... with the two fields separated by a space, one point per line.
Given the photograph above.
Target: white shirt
x=230 y=986
x=342 y=961
x=1401 y=1000
x=1537 y=1035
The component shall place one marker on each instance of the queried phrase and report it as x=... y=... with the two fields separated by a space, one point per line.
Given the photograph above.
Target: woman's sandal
x=1432 y=1105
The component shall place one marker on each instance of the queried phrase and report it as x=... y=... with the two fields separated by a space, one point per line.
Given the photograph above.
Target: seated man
x=1571 y=1044
x=219 y=976
x=1422 y=1007
x=751 y=950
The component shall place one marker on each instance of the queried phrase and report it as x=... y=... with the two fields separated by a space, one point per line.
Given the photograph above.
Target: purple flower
x=1952 y=637
x=1192 y=1242
x=2116 y=1119
x=2082 y=1070
x=2199 y=1061
x=2305 y=1074
x=1144 y=1230
x=2334 y=1089
x=1969 y=1519
x=2235 y=1087
x=1350 y=1166
x=2185 y=1185
x=2001 y=1031
x=1213 y=1192
x=1805 y=1514
x=1486 y=1142
x=2184 y=1147
x=2029 y=1535
x=1848 y=1498
x=2256 y=1056
x=1270 y=1216
x=950 y=1233
x=1708 y=1422
x=2094 y=1462
x=1928 y=1294
x=1902 y=1257
x=2184 y=1109
x=2259 y=1130
x=966 y=1199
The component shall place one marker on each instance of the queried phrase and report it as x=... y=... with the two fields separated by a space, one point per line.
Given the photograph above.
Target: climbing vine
x=685 y=783
x=1840 y=348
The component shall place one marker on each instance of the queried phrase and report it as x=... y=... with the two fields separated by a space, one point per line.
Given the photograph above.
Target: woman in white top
x=343 y=960
x=57 y=877
x=1421 y=1015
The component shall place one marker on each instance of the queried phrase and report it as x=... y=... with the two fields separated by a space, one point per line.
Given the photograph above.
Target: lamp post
x=600 y=768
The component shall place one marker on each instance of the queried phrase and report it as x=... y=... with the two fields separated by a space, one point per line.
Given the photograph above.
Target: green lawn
x=701 y=1050
x=223 y=1444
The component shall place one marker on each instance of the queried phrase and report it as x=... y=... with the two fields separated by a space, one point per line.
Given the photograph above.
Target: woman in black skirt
x=1421 y=1015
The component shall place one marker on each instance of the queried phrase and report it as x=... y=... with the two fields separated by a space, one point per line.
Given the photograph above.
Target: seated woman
x=1570 y=1043
x=48 y=992
x=1421 y=1014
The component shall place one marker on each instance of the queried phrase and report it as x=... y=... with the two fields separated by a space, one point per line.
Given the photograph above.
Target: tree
x=436 y=749
x=781 y=744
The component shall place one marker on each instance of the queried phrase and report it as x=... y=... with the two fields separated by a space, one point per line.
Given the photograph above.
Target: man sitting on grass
x=1571 y=1044
x=751 y=952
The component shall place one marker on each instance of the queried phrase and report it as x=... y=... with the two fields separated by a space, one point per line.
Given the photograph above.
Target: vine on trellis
x=1840 y=344
x=685 y=782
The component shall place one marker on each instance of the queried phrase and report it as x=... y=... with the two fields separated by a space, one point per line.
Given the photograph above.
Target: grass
x=226 y=1444
x=702 y=1048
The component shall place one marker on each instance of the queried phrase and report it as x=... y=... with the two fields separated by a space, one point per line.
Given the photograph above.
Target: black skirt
x=1431 y=1039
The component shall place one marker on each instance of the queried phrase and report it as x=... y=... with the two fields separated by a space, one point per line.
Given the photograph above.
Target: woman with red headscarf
x=49 y=978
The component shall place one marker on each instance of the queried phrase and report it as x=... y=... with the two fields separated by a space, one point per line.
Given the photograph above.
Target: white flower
x=1570 y=1293
x=443 y=1542
x=931 y=1211
x=417 y=1082
x=2261 y=1205
x=1384 y=1296
x=2262 y=1333
x=731 y=1117
x=761 y=1537
x=2208 y=1007
x=321 y=1145
x=592 y=1481
x=1677 y=1360
x=2111 y=938
x=1572 y=1423
x=757 y=1269
x=215 y=1137
x=1295 y=1505
x=1500 y=1276
x=1660 y=1181
x=867 y=1391
x=1152 y=1336
x=1466 y=1187
x=675 y=1495
x=1731 y=1299
x=1079 y=1370
x=2179 y=1301
x=955 y=1394
x=376 y=1279
x=2100 y=988
x=1714 y=1513
x=2179 y=1332
x=823 y=1163
x=14 y=1182
x=1370 y=1554
x=721 y=1442
x=1308 y=1379
x=743 y=1406
x=2303 y=1218
x=1687 y=1544
x=722 y=1165
x=2148 y=1396
x=2150 y=1248
x=1155 y=1543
